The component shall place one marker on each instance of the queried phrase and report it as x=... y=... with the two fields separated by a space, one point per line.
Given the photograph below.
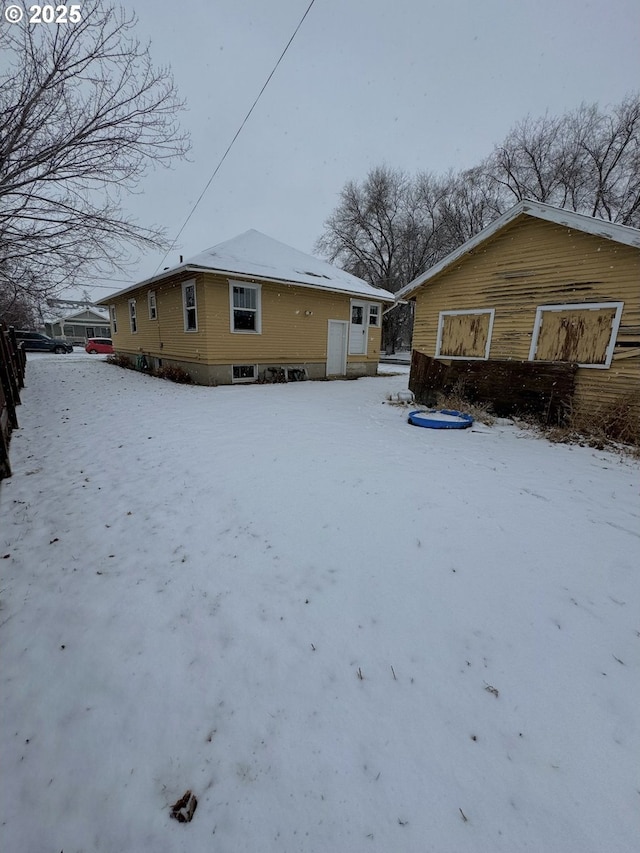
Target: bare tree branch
x=392 y=227
x=84 y=115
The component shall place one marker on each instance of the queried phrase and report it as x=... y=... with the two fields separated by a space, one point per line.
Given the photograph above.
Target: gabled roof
x=254 y=255
x=537 y=210
x=84 y=314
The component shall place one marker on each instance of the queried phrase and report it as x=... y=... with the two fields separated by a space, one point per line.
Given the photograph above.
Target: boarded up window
x=464 y=334
x=584 y=334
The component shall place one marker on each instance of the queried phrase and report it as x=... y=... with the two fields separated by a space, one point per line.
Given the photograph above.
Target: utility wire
x=237 y=134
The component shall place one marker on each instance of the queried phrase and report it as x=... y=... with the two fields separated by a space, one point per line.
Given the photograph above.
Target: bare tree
x=16 y=307
x=467 y=203
x=83 y=115
x=531 y=162
x=609 y=146
x=385 y=231
x=362 y=233
x=392 y=226
x=587 y=160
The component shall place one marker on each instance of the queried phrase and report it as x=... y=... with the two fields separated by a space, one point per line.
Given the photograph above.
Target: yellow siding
x=164 y=336
x=294 y=325
x=534 y=262
x=289 y=333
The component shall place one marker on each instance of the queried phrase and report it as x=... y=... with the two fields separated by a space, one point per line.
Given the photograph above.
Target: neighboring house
x=247 y=309
x=540 y=284
x=79 y=326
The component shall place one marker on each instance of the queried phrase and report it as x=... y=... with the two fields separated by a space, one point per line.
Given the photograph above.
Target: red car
x=103 y=345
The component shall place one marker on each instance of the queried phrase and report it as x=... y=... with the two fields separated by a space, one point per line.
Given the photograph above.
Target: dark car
x=103 y=345
x=35 y=342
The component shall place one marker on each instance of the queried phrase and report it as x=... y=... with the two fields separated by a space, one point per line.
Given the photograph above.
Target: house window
x=245 y=301
x=245 y=372
x=153 y=310
x=583 y=333
x=374 y=315
x=114 y=321
x=133 y=323
x=190 y=307
x=465 y=334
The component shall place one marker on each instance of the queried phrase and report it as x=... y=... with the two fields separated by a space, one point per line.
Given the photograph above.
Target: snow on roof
x=88 y=314
x=256 y=255
x=536 y=209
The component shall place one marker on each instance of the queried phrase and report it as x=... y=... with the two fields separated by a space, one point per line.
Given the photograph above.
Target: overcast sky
x=418 y=85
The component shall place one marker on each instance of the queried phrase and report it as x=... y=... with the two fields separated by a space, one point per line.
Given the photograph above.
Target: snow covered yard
x=341 y=632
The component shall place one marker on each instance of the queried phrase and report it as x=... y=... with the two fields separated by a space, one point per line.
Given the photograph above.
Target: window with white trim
x=133 y=322
x=245 y=303
x=153 y=309
x=190 y=307
x=465 y=334
x=583 y=333
x=374 y=315
x=244 y=372
x=114 y=319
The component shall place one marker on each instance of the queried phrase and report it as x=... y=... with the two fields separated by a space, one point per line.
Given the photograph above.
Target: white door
x=337 y=348
x=358 y=329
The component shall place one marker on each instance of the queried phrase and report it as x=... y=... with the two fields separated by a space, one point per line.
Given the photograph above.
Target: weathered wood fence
x=12 y=367
x=542 y=389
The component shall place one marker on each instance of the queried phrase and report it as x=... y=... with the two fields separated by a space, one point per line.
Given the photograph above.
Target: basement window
x=245 y=372
x=582 y=333
x=465 y=334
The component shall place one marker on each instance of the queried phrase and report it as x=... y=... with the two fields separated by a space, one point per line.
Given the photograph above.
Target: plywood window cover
x=490 y=311
x=577 y=306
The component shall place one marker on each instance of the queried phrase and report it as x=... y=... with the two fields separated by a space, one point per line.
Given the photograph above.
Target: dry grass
x=174 y=374
x=119 y=360
x=612 y=425
x=454 y=402
x=170 y=371
x=480 y=412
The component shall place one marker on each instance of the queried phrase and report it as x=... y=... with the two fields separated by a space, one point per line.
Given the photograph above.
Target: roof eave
x=537 y=210
x=385 y=295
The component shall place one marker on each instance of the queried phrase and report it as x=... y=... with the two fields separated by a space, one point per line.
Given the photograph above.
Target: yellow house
x=248 y=309
x=541 y=286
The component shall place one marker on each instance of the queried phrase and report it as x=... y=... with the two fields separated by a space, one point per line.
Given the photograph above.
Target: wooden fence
x=12 y=367
x=541 y=389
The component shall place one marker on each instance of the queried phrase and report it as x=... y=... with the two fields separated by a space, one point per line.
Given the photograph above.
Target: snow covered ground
x=341 y=632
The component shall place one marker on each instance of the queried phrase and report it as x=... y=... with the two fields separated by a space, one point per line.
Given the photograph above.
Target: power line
x=237 y=134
